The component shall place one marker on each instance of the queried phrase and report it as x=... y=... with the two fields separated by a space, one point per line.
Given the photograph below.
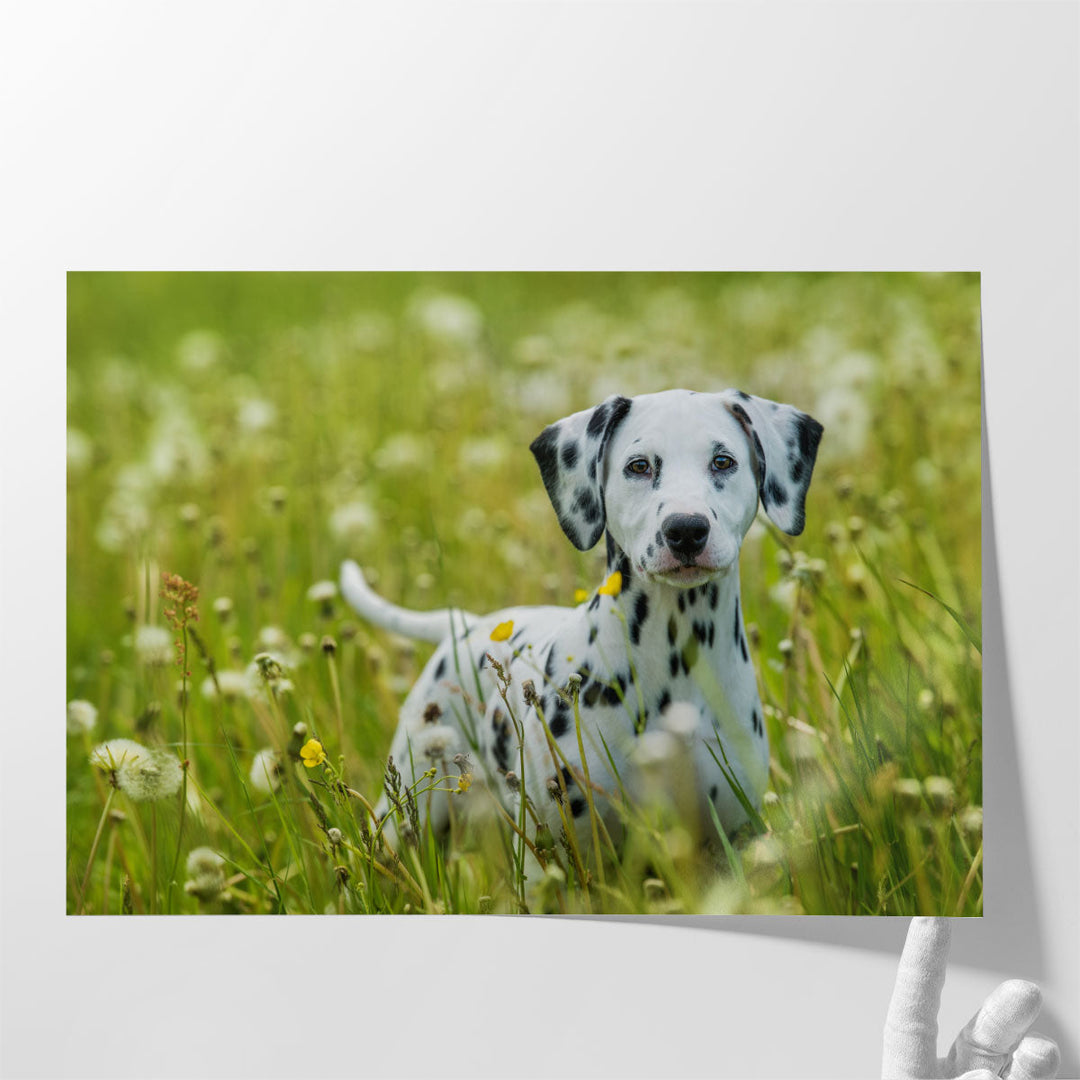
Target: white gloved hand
x=996 y=1041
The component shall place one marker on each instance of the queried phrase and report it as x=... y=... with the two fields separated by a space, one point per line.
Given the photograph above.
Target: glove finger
x=1036 y=1058
x=911 y=1024
x=990 y=1036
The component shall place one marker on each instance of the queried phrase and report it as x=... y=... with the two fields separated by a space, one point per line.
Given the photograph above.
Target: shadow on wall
x=1009 y=940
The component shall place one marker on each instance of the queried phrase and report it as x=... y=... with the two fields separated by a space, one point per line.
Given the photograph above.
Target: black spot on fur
x=742 y=395
x=713 y=792
x=755 y=721
x=691 y=596
x=570 y=454
x=738 y=622
x=560 y=719
x=777 y=495
x=614 y=694
x=440 y=669
x=664 y=701
x=591 y=696
x=501 y=749
x=656 y=472
x=797 y=468
x=712 y=633
x=593 y=631
x=592 y=468
x=598 y=420
x=517 y=634
x=544 y=450
x=586 y=504
x=673 y=664
x=682 y=602
x=594 y=603
x=641 y=613
x=483 y=660
x=549 y=664
x=810 y=432
x=578 y=806
x=714 y=595
x=742 y=645
x=672 y=630
x=701 y=631
x=649 y=551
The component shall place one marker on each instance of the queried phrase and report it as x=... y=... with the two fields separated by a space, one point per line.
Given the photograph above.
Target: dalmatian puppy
x=672 y=481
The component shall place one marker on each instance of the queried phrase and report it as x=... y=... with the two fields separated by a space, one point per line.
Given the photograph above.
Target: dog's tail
x=425 y=625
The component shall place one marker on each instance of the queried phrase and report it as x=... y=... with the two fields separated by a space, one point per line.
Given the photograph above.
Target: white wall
x=544 y=136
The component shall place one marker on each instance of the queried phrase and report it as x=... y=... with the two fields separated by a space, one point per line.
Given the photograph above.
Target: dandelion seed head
x=436 y=742
x=232 y=683
x=115 y=753
x=206 y=874
x=155 y=775
x=81 y=717
x=266 y=771
x=353 y=521
x=254 y=415
x=334 y=835
x=223 y=608
x=154 y=646
x=322 y=592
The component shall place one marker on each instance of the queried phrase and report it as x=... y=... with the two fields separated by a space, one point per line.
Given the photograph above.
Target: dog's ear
x=570 y=454
x=785 y=443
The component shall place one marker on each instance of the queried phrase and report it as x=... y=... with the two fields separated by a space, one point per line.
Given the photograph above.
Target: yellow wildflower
x=581 y=595
x=503 y=630
x=312 y=753
x=613 y=585
x=464 y=782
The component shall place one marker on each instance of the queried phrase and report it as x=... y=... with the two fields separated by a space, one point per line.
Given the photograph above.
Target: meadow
x=233 y=437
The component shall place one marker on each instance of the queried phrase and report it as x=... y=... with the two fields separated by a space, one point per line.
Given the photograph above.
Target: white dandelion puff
x=115 y=753
x=254 y=415
x=206 y=874
x=80 y=451
x=322 y=592
x=233 y=685
x=436 y=742
x=154 y=646
x=353 y=520
x=155 y=775
x=266 y=771
x=81 y=717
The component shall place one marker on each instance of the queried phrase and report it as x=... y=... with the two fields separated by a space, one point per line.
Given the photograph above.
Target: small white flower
x=154 y=646
x=266 y=771
x=81 y=716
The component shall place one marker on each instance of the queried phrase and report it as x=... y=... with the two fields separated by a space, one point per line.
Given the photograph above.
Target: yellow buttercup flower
x=581 y=595
x=613 y=585
x=503 y=630
x=312 y=753
x=464 y=782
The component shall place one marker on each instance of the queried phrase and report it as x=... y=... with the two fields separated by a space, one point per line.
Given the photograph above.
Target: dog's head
x=675 y=477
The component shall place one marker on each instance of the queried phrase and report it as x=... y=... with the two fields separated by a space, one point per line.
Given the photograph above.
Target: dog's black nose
x=686 y=534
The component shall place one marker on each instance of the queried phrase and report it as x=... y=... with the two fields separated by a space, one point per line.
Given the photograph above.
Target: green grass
x=222 y=424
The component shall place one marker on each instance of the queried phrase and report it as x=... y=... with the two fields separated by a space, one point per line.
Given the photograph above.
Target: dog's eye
x=639 y=467
x=722 y=462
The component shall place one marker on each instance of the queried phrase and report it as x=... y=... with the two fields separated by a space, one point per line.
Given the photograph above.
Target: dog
x=672 y=480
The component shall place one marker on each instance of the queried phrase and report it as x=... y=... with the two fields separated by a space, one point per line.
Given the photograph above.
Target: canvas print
x=644 y=593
